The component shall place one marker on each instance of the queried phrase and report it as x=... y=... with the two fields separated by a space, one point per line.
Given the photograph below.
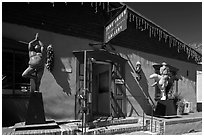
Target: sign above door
x=116 y=25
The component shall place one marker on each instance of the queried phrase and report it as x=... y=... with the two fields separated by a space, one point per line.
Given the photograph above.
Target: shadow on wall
x=138 y=89
x=55 y=88
x=62 y=78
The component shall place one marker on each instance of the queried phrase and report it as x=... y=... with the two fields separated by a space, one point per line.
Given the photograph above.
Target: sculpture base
x=166 y=108
x=35 y=111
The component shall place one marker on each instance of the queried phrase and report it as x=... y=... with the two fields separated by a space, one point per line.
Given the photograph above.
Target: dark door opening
x=104 y=78
x=101 y=89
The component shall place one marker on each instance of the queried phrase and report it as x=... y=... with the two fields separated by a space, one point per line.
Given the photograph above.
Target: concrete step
x=108 y=121
x=115 y=129
x=138 y=133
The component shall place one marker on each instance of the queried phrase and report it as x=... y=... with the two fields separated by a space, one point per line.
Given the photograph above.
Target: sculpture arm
x=42 y=47
x=30 y=45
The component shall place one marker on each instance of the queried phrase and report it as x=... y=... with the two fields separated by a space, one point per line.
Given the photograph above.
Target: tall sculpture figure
x=35 y=112
x=36 y=62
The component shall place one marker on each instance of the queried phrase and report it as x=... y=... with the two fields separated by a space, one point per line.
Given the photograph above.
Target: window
x=14 y=62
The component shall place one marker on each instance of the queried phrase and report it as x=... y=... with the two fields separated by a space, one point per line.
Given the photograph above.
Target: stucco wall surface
x=59 y=87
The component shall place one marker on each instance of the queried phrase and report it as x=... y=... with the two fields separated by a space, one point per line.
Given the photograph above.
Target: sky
x=182 y=19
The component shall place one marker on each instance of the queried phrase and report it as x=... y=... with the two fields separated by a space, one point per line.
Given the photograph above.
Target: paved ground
x=195 y=133
x=137 y=133
x=190 y=115
x=180 y=126
x=148 y=133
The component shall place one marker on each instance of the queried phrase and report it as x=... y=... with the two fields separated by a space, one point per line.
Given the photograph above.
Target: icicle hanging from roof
x=129 y=17
x=139 y=23
x=103 y=5
x=145 y=26
x=150 y=32
x=108 y=7
x=96 y=8
x=136 y=23
x=178 y=48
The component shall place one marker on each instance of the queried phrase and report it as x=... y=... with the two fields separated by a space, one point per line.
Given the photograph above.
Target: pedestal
x=35 y=111
x=166 y=108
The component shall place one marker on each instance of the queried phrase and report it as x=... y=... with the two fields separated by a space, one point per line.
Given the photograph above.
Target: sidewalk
x=184 y=124
x=128 y=126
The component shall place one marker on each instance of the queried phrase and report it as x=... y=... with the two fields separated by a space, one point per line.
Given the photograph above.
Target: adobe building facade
x=60 y=87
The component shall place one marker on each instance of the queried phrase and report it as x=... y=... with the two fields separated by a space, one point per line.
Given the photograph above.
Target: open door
x=101 y=89
x=105 y=94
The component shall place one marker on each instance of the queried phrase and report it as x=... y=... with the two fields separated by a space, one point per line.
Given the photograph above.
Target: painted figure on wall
x=36 y=61
x=162 y=80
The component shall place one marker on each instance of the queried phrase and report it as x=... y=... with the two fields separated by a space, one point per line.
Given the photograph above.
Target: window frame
x=15 y=48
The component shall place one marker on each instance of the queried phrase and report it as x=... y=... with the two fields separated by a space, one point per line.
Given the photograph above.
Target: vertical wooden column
x=84 y=93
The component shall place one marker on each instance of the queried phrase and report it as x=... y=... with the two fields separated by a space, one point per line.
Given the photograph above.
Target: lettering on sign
x=116 y=26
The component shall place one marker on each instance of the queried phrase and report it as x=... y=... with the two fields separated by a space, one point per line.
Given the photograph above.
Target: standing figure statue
x=36 y=62
x=138 y=70
x=162 y=79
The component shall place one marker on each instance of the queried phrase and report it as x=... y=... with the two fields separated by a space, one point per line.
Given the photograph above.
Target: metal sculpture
x=36 y=61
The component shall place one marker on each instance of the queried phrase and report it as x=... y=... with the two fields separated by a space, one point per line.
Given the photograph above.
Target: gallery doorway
x=105 y=83
x=101 y=89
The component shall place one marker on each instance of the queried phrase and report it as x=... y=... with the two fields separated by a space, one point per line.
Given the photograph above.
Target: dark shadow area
x=139 y=90
x=144 y=85
x=199 y=106
x=119 y=113
x=132 y=106
x=61 y=76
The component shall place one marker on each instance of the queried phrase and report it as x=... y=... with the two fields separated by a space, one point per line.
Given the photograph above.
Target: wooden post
x=84 y=102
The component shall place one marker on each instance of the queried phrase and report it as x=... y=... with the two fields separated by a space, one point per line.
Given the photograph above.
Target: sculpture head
x=164 y=64
x=37 y=48
x=138 y=67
